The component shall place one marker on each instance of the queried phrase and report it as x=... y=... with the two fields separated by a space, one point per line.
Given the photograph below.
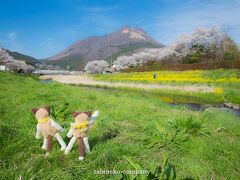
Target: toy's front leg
x=38 y=134
x=81 y=148
x=61 y=142
x=70 y=145
x=44 y=146
x=87 y=147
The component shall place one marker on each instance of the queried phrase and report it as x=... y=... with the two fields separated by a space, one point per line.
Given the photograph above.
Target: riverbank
x=89 y=81
x=185 y=92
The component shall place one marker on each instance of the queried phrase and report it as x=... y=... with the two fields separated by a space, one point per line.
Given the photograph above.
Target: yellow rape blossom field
x=197 y=76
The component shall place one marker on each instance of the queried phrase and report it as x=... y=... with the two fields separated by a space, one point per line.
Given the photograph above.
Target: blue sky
x=41 y=28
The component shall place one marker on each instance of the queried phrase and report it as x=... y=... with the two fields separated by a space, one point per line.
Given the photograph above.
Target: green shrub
x=193 y=57
x=231 y=54
x=165 y=170
x=189 y=125
x=227 y=56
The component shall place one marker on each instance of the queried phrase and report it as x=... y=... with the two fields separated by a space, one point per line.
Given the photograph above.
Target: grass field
x=134 y=131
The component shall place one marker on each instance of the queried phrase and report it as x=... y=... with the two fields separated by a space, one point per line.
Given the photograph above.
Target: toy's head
x=81 y=116
x=41 y=113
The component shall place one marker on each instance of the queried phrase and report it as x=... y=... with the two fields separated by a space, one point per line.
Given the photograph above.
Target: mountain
x=21 y=65
x=108 y=47
x=23 y=57
x=17 y=61
x=7 y=55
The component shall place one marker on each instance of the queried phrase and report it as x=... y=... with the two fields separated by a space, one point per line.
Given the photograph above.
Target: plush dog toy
x=47 y=128
x=79 y=130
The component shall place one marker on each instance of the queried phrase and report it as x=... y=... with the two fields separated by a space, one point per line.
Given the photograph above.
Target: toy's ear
x=34 y=110
x=47 y=108
x=88 y=113
x=74 y=114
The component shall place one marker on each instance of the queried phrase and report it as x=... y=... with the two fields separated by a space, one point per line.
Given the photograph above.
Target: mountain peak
x=134 y=33
x=108 y=47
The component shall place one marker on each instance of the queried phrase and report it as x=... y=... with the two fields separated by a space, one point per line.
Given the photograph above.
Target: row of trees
x=203 y=45
x=97 y=66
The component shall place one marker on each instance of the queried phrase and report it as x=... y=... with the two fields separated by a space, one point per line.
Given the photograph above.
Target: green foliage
x=232 y=95
x=177 y=132
x=189 y=125
x=221 y=73
x=6 y=131
x=164 y=171
x=227 y=56
x=61 y=113
x=197 y=52
x=167 y=170
x=192 y=57
x=231 y=54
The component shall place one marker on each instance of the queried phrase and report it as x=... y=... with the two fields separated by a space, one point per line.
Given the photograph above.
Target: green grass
x=134 y=130
x=171 y=96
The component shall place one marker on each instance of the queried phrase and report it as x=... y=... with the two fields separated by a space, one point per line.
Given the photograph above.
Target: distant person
x=154 y=76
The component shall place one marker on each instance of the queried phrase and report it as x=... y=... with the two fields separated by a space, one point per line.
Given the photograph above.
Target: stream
x=203 y=107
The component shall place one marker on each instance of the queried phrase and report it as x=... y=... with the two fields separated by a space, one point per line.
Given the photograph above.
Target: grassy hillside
x=23 y=57
x=134 y=131
x=75 y=63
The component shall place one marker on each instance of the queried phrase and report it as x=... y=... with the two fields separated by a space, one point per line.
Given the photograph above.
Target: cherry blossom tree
x=210 y=42
x=96 y=66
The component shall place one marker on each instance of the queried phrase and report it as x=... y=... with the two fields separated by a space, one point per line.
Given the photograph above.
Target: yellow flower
x=196 y=76
x=218 y=91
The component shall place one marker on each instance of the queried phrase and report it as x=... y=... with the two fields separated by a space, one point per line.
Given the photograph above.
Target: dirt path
x=88 y=81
